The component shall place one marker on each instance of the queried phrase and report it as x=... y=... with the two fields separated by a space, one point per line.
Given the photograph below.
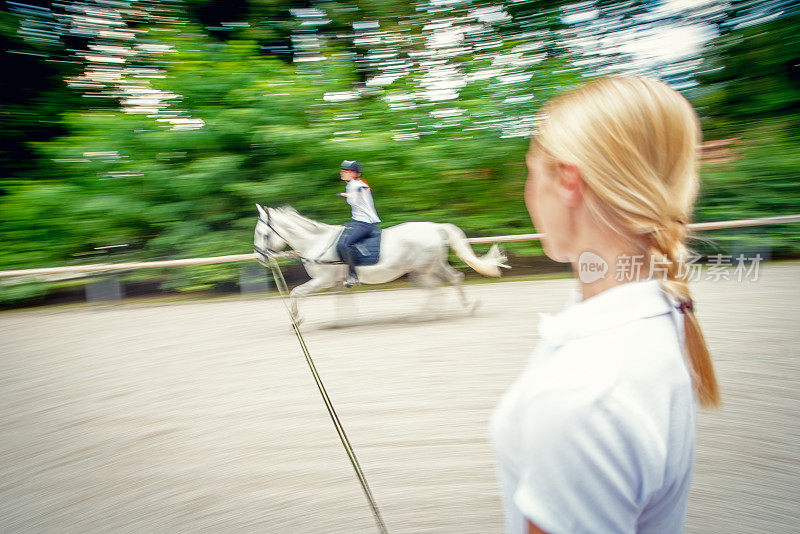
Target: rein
x=280 y=283
x=267 y=252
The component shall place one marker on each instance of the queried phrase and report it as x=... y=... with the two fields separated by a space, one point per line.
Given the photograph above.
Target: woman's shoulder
x=644 y=359
x=649 y=346
x=640 y=396
x=358 y=183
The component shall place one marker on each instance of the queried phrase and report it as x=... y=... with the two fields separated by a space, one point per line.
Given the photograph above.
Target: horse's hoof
x=298 y=319
x=472 y=307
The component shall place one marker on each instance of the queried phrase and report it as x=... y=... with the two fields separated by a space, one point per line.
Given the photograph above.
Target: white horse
x=418 y=248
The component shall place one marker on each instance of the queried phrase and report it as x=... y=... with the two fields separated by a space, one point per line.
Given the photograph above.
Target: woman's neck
x=610 y=262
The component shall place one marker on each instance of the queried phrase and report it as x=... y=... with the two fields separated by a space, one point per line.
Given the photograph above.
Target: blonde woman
x=597 y=435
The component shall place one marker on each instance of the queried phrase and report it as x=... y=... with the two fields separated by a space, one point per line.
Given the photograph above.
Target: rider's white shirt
x=598 y=432
x=359 y=197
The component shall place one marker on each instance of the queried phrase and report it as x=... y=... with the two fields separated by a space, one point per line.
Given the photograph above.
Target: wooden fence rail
x=128 y=266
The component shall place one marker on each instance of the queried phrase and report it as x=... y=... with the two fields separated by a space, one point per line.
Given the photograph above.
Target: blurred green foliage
x=749 y=94
x=89 y=177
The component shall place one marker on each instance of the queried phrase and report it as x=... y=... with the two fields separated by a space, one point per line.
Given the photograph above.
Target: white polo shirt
x=359 y=196
x=597 y=435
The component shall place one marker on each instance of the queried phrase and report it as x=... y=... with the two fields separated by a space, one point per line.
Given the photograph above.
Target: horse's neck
x=304 y=240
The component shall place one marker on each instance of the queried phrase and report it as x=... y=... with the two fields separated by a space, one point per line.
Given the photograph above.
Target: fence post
x=254 y=279
x=751 y=242
x=106 y=288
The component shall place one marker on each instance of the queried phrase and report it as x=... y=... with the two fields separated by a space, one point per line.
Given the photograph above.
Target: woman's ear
x=569 y=181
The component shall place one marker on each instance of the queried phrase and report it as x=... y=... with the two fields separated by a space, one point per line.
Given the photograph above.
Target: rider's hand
x=343 y=195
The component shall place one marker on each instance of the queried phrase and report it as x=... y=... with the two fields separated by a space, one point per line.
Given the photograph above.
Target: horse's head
x=266 y=241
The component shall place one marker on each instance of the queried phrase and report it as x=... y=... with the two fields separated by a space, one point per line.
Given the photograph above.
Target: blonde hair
x=636 y=141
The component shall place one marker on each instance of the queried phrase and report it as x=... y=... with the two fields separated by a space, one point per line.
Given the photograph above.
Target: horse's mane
x=310 y=224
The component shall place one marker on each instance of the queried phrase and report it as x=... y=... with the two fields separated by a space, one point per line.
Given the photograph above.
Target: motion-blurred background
x=142 y=130
x=147 y=130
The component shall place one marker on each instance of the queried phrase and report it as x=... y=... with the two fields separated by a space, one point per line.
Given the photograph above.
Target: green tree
x=749 y=93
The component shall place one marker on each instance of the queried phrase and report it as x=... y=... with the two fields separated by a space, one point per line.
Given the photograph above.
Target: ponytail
x=667 y=245
x=702 y=370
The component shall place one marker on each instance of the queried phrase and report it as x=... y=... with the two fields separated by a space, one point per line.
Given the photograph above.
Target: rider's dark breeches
x=354 y=232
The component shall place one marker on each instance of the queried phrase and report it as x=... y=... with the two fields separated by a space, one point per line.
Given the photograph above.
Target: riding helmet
x=351 y=165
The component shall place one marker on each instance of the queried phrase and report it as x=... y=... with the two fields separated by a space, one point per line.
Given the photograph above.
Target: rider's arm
x=350 y=190
x=358 y=189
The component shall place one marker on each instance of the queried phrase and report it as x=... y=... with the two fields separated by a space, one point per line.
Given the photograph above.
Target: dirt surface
x=203 y=416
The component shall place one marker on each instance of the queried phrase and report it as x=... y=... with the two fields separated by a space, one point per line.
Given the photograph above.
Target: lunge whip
x=280 y=283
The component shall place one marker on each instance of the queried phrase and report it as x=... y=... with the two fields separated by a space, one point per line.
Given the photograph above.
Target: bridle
x=267 y=252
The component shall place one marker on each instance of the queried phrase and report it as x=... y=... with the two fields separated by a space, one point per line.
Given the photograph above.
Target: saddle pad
x=368 y=250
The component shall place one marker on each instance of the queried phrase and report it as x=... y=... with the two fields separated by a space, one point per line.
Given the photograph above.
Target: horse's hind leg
x=456 y=279
x=430 y=281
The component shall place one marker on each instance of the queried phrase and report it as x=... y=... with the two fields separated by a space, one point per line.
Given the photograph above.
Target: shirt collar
x=614 y=307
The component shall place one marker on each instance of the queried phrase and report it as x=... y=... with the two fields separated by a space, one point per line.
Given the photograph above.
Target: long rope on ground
x=280 y=283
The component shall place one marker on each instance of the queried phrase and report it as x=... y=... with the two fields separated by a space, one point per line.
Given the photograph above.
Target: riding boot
x=352 y=278
x=346 y=253
x=352 y=234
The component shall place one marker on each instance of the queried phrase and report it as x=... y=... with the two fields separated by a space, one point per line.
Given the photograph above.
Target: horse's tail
x=487 y=265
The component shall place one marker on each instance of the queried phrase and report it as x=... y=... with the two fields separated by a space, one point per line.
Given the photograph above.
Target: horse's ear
x=261 y=212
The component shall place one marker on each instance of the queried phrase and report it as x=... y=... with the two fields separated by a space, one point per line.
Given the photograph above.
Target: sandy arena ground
x=203 y=416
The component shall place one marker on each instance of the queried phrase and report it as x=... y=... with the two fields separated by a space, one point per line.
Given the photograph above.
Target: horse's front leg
x=315 y=284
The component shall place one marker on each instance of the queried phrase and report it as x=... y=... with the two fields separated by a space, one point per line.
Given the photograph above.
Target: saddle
x=368 y=250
